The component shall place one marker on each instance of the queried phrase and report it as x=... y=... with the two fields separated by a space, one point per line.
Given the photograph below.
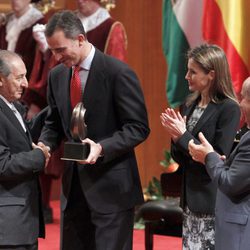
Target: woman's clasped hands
x=174 y=123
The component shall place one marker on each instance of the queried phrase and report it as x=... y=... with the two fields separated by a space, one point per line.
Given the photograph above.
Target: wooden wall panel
x=142 y=20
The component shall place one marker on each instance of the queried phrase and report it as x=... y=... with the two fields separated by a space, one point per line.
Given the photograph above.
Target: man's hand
x=95 y=152
x=45 y=150
x=199 y=152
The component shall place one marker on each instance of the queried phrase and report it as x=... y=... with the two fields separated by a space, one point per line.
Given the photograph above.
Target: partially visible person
x=21 y=218
x=232 y=177
x=213 y=110
x=16 y=31
x=239 y=134
x=99 y=194
x=105 y=33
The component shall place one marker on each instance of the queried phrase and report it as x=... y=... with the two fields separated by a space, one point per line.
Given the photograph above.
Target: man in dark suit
x=21 y=221
x=99 y=194
x=232 y=177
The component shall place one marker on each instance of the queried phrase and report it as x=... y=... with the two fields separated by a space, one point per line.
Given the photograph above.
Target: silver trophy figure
x=76 y=150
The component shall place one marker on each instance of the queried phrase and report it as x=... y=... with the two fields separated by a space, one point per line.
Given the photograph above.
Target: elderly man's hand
x=45 y=149
x=199 y=152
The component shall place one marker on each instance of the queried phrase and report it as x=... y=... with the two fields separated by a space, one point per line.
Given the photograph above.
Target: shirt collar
x=86 y=63
x=9 y=104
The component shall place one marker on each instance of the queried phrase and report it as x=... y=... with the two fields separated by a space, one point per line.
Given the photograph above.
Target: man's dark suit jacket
x=21 y=220
x=232 y=227
x=116 y=117
x=219 y=123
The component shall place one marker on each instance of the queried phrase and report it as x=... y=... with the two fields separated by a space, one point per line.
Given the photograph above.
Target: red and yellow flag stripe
x=227 y=23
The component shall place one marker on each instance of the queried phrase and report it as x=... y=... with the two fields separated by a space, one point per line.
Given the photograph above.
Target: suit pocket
x=234 y=218
x=12 y=201
x=11 y=210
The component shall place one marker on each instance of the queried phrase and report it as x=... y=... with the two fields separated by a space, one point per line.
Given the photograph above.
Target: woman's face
x=197 y=79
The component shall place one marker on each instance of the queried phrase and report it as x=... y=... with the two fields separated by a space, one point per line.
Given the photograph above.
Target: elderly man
x=232 y=176
x=21 y=220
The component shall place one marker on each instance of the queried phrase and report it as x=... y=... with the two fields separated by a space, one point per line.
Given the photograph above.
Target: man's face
x=12 y=86
x=86 y=6
x=245 y=103
x=20 y=6
x=66 y=50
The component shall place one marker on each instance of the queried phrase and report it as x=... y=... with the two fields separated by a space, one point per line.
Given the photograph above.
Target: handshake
x=45 y=149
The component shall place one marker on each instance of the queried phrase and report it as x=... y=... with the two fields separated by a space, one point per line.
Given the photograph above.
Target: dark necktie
x=75 y=87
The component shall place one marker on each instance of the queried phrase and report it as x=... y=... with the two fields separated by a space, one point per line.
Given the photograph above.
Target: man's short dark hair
x=68 y=22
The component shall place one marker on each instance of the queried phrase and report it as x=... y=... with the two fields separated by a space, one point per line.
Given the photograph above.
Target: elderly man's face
x=12 y=86
x=245 y=102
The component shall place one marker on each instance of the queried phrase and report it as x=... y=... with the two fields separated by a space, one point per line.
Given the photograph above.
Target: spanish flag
x=187 y=23
x=227 y=24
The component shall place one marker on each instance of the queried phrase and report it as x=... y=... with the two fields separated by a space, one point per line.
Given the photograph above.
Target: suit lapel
x=12 y=118
x=63 y=91
x=22 y=111
x=208 y=112
x=189 y=110
x=94 y=78
x=242 y=140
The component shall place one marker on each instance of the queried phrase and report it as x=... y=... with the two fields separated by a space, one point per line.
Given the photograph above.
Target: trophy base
x=74 y=151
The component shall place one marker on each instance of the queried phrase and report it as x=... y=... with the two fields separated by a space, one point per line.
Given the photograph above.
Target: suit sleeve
x=232 y=177
x=131 y=115
x=52 y=132
x=36 y=124
x=18 y=165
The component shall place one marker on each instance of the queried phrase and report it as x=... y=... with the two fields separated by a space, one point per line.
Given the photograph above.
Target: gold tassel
x=108 y=4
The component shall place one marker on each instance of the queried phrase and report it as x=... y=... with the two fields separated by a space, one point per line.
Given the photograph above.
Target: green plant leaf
x=153 y=190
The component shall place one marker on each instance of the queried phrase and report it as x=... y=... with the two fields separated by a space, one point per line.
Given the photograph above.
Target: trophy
x=76 y=150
